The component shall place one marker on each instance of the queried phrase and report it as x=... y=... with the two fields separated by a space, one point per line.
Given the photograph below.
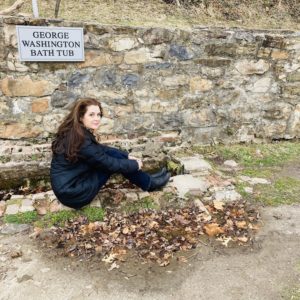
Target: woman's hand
x=139 y=161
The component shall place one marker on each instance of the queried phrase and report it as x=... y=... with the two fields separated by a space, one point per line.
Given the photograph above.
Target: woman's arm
x=96 y=156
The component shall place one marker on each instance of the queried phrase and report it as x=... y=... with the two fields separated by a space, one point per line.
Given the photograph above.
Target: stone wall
x=200 y=86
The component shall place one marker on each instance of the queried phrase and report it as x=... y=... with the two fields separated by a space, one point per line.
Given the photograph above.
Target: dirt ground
x=268 y=269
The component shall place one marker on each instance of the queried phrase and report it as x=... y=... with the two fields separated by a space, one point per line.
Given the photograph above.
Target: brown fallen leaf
x=219 y=205
x=241 y=224
x=243 y=239
x=213 y=229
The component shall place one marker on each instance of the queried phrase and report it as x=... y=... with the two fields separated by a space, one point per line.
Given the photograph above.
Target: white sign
x=50 y=43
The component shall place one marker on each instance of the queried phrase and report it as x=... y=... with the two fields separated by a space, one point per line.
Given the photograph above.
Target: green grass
x=255 y=155
x=59 y=218
x=21 y=218
x=291 y=294
x=145 y=203
x=261 y=160
x=284 y=190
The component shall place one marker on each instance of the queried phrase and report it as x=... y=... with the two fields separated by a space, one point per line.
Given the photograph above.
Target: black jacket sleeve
x=95 y=155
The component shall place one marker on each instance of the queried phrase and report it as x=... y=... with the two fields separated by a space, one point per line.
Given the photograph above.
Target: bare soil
x=267 y=14
x=268 y=269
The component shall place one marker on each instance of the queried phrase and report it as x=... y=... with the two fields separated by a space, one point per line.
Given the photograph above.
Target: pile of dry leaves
x=155 y=235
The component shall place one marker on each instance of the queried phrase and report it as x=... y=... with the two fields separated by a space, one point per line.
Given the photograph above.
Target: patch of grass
x=291 y=294
x=93 y=213
x=145 y=203
x=260 y=155
x=240 y=188
x=58 y=218
x=21 y=218
x=258 y=172
x=284 y=190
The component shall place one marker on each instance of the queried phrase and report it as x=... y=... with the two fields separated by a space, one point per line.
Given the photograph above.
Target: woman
x=80 y=165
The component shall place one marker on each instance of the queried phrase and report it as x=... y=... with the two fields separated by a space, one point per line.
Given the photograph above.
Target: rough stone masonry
x=200 y=86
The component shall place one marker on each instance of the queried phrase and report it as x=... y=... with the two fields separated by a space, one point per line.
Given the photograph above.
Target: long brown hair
x=70 y=135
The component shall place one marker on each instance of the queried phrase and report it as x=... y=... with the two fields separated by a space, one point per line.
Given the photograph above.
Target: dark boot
x=158 y=182
x=162 y=172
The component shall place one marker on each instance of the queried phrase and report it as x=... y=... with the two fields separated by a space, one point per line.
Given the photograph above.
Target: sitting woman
x=80 y=165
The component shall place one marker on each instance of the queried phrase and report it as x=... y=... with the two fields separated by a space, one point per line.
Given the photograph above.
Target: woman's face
x=91 y=118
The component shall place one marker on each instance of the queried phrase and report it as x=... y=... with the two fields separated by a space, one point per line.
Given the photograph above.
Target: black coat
x=80 y=182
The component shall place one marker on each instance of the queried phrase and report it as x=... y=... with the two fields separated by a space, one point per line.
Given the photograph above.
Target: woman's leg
x=139 y=178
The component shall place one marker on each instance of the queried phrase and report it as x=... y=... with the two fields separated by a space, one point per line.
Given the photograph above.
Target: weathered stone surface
x=155 y=36
x=279 y=54
x=292 y=89
x=2 y=207
x=246 y=67
x=181 y=52
x=61 y=99
x=121 y=44
x=276 y=111
x=262 y=85
x=97 y=59
x=176 y=80
x=274 y=41
x=226 y=49
x=227 y=195
x=130 y=80
x=295 y=76
x=195 y=164
x=24 y=86
x=230 y=163
x=40 y=105
x=140 y=56
x=293 y=128
x=106 y=77
x=12 y=209
x=254 y=180
x=77 y=79
x=19 y=130
x=213 y=62
x=198 y=85
x=10 y=37
x=185 y=184
x=14 y=228
x=27 y=205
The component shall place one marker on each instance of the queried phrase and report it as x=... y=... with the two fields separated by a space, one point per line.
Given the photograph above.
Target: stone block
x=226 y=49
x=24 y=86
x=12 y=209
x=97 y=59
x=19 y=130
x=121 y=44
x=274 y=42
x=279 y=54
x=176 y=80
x=199 y=85
x=292 y=89
x=293 y=77
x=181 y=52
x=262 y=85
x=140 y=56
x=155 y=36
x=227 y=195
x=40 y=105
x=195 y=164
x=185 y=184
x=2 y=207
x=246 y=67
x=213 y=62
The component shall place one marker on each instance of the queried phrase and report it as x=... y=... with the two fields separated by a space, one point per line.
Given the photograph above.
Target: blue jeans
x=139 y=178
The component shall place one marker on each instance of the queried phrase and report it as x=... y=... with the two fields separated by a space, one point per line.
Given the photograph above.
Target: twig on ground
x=13 y=9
